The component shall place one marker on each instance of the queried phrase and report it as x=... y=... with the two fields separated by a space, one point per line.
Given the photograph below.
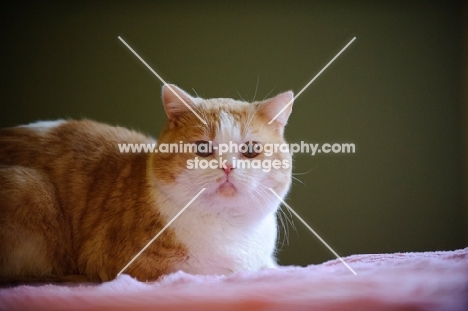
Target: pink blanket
x=406 y=281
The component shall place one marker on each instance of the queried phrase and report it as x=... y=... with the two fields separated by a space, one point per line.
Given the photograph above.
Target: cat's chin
x=227 y=189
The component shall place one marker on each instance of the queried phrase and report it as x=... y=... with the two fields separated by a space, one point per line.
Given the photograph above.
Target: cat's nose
x=227 y=168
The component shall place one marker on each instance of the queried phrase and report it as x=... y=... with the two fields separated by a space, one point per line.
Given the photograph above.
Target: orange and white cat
x=73 y=207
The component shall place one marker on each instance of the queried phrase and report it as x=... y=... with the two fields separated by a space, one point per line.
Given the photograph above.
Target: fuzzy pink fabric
x=406 y=281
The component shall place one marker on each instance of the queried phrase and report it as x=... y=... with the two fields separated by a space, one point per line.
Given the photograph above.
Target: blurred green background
x=396 y=92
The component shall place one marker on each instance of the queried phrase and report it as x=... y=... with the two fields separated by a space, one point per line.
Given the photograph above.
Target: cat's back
x=45 y=141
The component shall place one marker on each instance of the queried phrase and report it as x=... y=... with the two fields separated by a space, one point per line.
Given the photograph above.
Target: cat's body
x=71 y=204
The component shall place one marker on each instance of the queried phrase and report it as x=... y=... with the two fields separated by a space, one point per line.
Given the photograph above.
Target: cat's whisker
x=304 y=173
x=250 y=117
x=298 y=180
x=283 y=226
x=256 y=88
x=264 y=193
x=255 y=199
x=288 y=225
x=240 y=95
x=278 y=234
x=205 y=126
x=260 y=198
x=268 y=94
x=293 y=176
x=288 y=218
x=285 y=222
x=195 y=92
x=257 y=196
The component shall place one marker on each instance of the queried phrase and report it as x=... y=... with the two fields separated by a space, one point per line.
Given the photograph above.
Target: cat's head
x=235 y=159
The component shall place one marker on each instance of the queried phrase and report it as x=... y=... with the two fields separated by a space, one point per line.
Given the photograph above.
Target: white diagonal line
x=313 y=231
x=160 y=232
x=160 y=78
x=313 y=79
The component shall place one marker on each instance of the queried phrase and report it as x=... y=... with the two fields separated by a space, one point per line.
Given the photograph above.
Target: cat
x=75 y=208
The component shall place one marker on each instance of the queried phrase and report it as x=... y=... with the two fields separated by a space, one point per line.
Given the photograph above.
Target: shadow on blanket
x=402 y=281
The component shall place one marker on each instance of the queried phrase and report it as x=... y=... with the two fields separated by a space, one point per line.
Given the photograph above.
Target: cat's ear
x=271 y=107
x=176 y=101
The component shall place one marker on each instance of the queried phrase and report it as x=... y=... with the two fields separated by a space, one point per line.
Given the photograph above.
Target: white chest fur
x=222 y=244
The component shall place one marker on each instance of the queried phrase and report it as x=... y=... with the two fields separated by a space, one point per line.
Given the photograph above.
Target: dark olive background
x=396 y=92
